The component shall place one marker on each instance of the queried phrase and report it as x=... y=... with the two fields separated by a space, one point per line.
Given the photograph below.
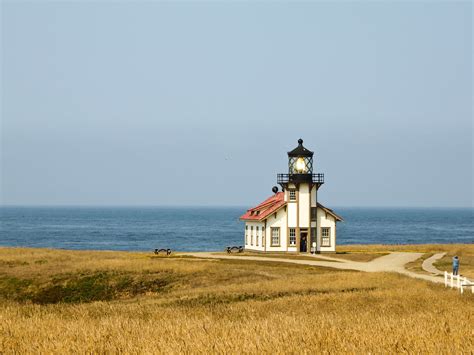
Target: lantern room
x=300 y=160
x=300 y=168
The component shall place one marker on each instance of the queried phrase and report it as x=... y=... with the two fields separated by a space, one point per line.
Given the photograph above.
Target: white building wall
x=314 y=196
x=276 y=221
x=304 y=205
x=253 y=238
x=326 y=220
x=292 y=214
x=288 y=217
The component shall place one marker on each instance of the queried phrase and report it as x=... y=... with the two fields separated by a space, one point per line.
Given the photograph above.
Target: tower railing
x=286 y=178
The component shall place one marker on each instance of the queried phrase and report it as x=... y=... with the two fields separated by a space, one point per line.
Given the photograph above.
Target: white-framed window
x=256 y=235
x=251 y=235
x=292 y=236
x=263 y=236
x=275 y=236
x=292 y=194
x=246 y=235
x=325 y=236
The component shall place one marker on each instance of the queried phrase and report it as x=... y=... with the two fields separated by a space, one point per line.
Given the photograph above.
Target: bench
x=158 y=251
x=235 y=249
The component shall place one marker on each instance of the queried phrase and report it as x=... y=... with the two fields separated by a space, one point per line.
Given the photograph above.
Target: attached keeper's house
x=293 y=220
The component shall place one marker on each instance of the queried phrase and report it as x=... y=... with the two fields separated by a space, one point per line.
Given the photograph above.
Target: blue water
x=194 y=229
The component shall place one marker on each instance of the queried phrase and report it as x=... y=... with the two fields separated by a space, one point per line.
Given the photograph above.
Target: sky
x=197 y=103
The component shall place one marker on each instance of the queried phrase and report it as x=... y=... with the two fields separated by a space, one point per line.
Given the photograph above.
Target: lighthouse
x=292 y=220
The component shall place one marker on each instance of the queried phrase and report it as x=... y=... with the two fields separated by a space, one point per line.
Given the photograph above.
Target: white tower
x=301 y=186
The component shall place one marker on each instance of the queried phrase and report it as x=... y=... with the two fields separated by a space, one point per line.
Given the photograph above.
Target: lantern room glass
x=300 y=165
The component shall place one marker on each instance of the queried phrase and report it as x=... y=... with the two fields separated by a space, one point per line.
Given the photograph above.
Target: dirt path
x=393 y=262
x=428 y=264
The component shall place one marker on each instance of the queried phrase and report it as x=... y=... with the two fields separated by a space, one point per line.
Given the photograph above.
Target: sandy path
x=428 y=264
x=393 y=262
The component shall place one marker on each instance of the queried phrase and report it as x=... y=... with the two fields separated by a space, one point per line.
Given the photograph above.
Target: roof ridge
x=270 y=205
x=269 y=200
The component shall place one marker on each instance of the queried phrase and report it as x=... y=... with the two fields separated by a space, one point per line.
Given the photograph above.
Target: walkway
x=393 y=262
x=428 y=264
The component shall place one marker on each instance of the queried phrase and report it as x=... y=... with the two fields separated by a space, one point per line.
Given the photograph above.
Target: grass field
x=466 y=262
x=275 y=255
x=82 y=301
x=343 y=255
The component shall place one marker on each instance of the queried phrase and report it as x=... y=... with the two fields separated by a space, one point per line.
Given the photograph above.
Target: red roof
x=266 y=208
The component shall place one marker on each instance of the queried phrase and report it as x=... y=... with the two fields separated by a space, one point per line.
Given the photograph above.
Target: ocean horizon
x=212 y=228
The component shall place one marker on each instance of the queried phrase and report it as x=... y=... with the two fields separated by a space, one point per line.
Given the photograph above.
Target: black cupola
x=300 y=168
x=300 y=151
x=300 y=160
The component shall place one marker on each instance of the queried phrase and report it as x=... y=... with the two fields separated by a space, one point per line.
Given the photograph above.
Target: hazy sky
x=197 y=103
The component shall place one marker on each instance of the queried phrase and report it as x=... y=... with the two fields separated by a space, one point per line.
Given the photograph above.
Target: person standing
x=455 y=265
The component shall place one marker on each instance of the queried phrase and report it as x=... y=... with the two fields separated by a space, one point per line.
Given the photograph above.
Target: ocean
x=213 y=228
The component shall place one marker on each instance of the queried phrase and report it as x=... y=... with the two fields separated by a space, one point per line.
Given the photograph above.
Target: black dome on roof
x=300 y=151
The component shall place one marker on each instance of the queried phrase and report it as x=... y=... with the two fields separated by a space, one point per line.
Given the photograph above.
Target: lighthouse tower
x=301 y=186
x=293 y=220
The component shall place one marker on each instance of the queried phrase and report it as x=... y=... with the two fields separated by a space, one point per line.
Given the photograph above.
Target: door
x=303 y=242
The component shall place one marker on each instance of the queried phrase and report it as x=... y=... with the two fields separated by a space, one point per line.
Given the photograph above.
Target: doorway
x=303 y=242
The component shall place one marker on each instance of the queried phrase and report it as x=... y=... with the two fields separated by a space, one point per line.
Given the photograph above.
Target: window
x=275 y=236
x=263 y=237
x=325 y=236
x=251 y=235
x=300 y=165
x=246 y=235
x=256 y=235
x=292 y=236
x=292 y=195
x=314 y=213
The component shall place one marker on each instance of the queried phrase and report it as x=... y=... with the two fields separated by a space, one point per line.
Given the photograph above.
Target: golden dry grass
x=282 y=255
x=466 y=262
x=416 y=265
x=416 y=248
x=235 y=306
x=465 y=252
x=352 y=255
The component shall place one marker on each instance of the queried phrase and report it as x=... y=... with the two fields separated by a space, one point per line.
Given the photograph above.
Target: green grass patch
x=14 y=288
x=84 y=287
x=217 y=299
x=12 y=263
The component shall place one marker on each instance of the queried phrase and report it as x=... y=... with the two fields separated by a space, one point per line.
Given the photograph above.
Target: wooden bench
x=235 y=249
x=158 y=251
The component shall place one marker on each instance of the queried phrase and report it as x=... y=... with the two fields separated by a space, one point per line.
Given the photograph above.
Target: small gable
x=265 y=209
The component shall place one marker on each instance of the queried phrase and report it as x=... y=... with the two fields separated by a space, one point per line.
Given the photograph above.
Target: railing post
x=459 y=281
x=445 y=279
x=462 y=288
x=452 y=280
